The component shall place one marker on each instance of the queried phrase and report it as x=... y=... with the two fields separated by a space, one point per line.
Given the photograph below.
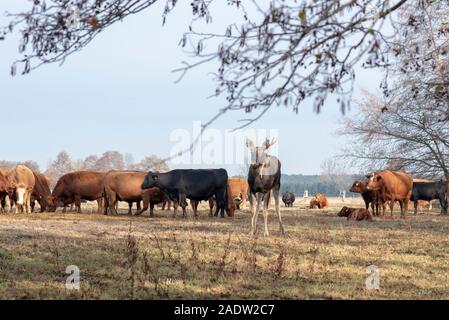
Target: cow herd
x=24 y=187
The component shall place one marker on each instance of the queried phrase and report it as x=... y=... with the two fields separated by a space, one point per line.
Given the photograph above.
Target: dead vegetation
x=322 y=256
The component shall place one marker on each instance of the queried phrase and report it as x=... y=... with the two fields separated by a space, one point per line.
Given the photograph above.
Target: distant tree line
x=298 y=183
x=109 y=160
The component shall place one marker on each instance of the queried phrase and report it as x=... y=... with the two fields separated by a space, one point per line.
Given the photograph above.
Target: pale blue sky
x=119 y=94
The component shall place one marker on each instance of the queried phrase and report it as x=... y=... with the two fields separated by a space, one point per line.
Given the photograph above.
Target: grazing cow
x=22 y=181
x=194 y=184
x=429 y=191
x=4 y=188
x=126 y=186
x=288 y=198
x=77 y=186
x=237 y=191
x=356 y=214
x=393 y=186
x=238 y=188
x=369 y=196
x=41 y=192
x=319 y=202
x=264 y=177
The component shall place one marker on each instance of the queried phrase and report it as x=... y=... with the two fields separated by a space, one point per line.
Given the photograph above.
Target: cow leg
x=100 y=203
x=194 y=207
x=391 y=206
x=146 y=201
x=443 y=204
x=32 y=205
x=404 y=207
x=415 y=205
x=78 y=203
x=244 y=199
x=151 y=209
x=211 y=206
x=183 y=204
x=277 y=196
x=130 y=208
x=139 y=206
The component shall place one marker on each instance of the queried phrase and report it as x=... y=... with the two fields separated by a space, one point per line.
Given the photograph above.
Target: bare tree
x=276 y=53
x=59 y=167
x=151 y=163
x=110 y=160
x=408 y=136
x=407 y=128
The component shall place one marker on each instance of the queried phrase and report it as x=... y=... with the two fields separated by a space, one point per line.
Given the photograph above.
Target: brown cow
x=393 y=186
x=22 y=182
x=77 y=186
x=356 y=214
x=4 y=188
x=237 y=191
x=41 y=192
x=230 y=204
x=126 y=186
x=369 y=196
x=319 y=202
x=238 y=188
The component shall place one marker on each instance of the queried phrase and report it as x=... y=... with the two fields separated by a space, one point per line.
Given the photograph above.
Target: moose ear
x=249 y=143
x=269 y=143
x=155 y=177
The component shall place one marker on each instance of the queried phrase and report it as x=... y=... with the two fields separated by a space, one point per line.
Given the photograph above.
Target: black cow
x=194 y=184
x=288 y=198
x=429 y=191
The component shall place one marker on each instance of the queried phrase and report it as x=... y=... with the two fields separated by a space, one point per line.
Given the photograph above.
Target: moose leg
x=252 y=199
x=265 y=215
x=276 y=194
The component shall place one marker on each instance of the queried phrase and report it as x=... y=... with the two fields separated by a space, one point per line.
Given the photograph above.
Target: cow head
x=374 y=181
x=358 y=186
x=344 y=212
x=238 y=201
x=53 y=203
x=150 y=180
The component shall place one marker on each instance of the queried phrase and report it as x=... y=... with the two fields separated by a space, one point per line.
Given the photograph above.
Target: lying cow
x=356 y=214
x=319 y=202
x=429 y=191
x=194 y=184
x=288 y=198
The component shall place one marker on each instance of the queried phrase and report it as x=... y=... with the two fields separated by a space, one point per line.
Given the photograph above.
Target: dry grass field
x=321 y=257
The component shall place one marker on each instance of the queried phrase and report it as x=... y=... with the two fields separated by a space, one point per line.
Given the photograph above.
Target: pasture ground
x=321 y=257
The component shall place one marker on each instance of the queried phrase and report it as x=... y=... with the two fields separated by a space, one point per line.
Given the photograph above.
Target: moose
x=264 y=178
